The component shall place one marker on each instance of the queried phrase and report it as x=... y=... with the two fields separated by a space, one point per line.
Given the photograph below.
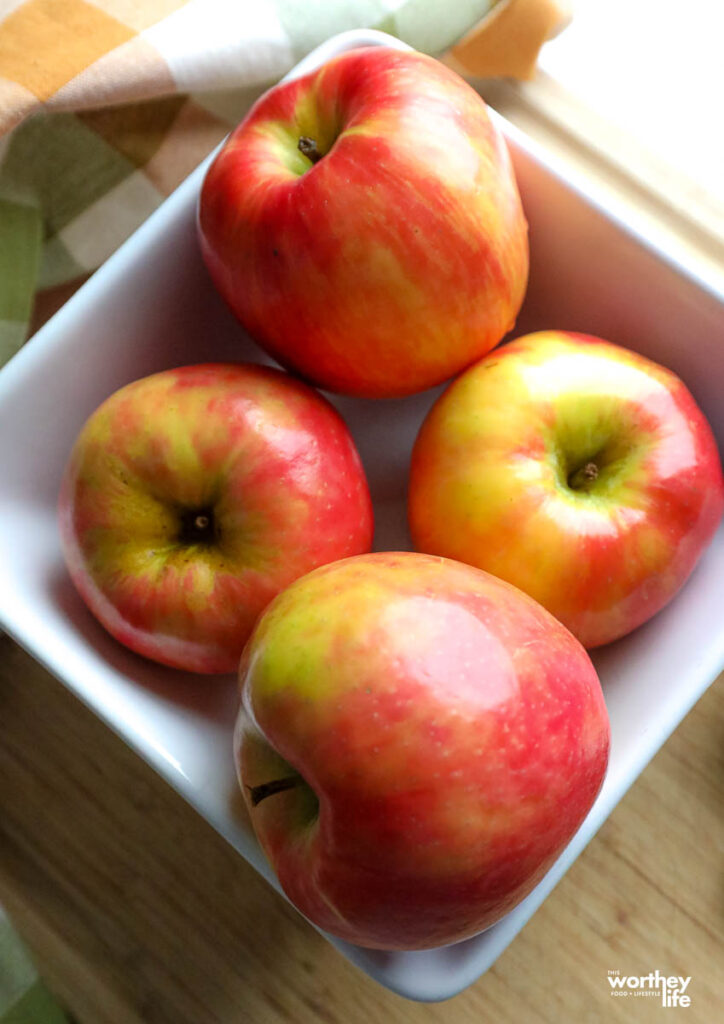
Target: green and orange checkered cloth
x=107 y=105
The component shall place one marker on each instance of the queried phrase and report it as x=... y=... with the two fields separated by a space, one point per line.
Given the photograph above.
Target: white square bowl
x=152 y=306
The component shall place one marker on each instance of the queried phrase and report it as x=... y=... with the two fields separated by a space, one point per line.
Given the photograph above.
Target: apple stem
x=261 y=792
x=585 y=475
x=308 y=147
x=197 y=526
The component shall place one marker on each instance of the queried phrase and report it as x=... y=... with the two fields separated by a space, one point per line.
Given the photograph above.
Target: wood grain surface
x=137 y=911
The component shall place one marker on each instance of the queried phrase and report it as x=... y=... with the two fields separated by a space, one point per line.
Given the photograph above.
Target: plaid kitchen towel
x=106 y=105
x=23 y=997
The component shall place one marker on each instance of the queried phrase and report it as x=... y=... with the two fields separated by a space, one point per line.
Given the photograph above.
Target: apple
x=579 y=471
x=195 y=495
x=418 y=741
x=364 y=224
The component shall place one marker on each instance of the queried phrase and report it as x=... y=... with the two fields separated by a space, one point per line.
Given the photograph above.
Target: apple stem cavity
x=308 y=147
x=583 y=475
x=261 y=792
x=197 y=526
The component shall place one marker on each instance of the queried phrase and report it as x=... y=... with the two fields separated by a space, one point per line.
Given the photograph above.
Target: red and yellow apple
x=579 y=471
x=418 y=741
x=193 y=496
x=364 y=224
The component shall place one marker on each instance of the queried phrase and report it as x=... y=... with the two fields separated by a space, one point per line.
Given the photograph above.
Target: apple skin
x=266 y=460
x=493 y=479
x=399 y=257
x=446 y=735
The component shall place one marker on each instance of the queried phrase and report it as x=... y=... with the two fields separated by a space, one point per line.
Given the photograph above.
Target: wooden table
x=137 y=912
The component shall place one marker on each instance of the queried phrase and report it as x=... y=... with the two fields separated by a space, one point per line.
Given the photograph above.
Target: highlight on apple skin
x=193 y=496
x=418 y=741
x=579 y=471
x=364 y=224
